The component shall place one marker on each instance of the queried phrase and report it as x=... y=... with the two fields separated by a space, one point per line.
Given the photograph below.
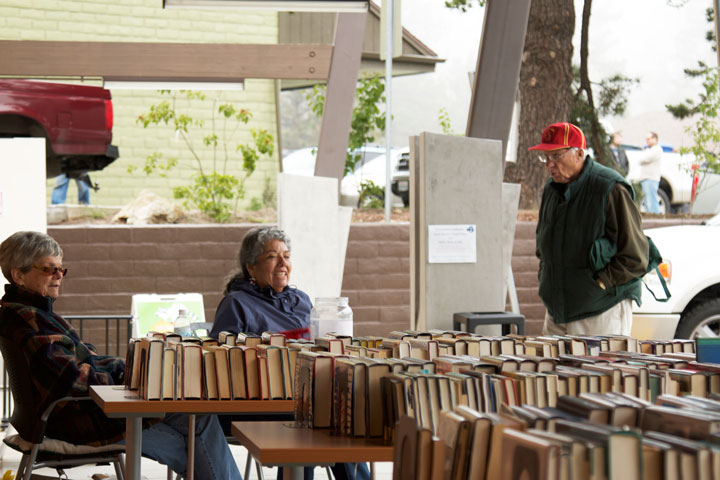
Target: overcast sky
x=646 y=39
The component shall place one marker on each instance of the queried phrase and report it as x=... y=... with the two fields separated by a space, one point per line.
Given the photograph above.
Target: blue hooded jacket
x=251 y=309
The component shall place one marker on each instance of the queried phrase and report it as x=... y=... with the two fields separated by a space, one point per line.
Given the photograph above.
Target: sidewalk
x=152 y=470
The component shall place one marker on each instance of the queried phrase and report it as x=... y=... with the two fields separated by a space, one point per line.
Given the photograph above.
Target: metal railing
x=119 y=325
x=122 y=329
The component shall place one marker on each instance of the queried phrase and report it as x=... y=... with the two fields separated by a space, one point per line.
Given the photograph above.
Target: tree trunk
x=596 y=134
x=545 y=90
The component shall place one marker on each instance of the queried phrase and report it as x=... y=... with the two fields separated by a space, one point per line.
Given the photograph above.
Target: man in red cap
x=589 y=240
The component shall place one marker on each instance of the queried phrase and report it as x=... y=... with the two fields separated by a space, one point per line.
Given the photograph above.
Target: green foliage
x=611 y=94
x=688 y=107
x=371 y=195
x=212 y=188
x=367 y=119
x=255 y=204
x=444 y=120
x=462 y=5
x=269 y=194
x=612 y=97
x=156 y=162
x=706 y=131
x=97 y=214
x=209 y=193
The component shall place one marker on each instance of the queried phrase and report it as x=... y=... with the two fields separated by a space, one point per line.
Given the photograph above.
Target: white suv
x=401 y=178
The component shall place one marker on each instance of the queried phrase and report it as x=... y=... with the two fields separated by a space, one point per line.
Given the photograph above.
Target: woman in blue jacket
x=259 y=298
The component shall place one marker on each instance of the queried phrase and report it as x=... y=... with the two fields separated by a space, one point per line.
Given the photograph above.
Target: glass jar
x=182 y=324
x=331 y=314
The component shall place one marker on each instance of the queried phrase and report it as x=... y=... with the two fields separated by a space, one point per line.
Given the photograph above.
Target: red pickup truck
x=75 y=120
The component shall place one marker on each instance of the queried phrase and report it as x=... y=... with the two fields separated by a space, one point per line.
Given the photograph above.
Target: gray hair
x=21 y=249
x=252 y=246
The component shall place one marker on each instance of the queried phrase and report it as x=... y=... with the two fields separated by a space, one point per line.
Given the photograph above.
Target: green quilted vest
x=571 y=225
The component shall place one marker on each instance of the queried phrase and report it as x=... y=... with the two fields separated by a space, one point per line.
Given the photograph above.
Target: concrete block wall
x=108 y=264
x=376 y=279
x=140 y=20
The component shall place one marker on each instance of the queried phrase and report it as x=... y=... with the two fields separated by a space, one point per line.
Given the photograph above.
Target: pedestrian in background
x=650 y=173
x=59 y=193
x=619 y=153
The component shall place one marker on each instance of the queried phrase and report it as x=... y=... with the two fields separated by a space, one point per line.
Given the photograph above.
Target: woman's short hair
x=252 y=246
x=21 y=249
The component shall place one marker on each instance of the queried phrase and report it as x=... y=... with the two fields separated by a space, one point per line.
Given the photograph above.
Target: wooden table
x=280 y=443
x=118 y=401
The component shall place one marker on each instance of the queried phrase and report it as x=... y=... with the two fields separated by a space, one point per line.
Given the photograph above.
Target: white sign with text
x=452 y=244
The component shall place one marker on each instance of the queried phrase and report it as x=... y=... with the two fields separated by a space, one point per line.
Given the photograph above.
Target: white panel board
x=22 y=186
x=459 y=182
x=308 y=212
x=510 y=201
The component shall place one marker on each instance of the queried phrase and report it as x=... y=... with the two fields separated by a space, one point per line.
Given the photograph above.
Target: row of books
x=676 y=438
x=363 y=388
x=165 y=366
x=447 y=342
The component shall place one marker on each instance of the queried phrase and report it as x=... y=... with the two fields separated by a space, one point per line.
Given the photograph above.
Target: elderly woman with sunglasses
x=63 y=365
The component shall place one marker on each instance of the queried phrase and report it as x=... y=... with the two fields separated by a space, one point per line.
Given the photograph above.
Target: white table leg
x=133 y=447
x=191 y=447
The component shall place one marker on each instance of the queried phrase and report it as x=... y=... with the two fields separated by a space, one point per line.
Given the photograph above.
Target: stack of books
x=165 y=366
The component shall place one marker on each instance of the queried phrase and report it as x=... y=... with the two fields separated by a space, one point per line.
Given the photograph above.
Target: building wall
x=140 y=20
x=108 y=264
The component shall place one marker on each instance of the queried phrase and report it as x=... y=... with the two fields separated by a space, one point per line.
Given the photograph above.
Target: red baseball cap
x=561 y=135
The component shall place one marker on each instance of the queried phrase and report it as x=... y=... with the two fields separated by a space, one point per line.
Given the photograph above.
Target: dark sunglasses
x=52 y=270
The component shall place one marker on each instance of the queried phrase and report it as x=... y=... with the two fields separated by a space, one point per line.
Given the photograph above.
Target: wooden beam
x=498 y=70
x=341 y=85
x=164 y=61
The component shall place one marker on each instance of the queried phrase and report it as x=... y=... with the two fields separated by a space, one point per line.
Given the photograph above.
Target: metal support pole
x=716 y=8
x=388 y=105
x=190 y=474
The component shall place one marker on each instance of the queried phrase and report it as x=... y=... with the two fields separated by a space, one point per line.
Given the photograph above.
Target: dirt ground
x=268 y=215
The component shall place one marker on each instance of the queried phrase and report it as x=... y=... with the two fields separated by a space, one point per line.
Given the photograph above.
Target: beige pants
x=616 y=321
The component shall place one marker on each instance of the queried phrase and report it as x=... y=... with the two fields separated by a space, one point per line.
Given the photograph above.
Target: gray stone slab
x=459 y=182
x=510 y=201
x=308 y=212
x=23 y=198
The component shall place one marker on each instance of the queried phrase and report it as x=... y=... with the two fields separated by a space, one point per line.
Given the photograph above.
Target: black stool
x=470 y=320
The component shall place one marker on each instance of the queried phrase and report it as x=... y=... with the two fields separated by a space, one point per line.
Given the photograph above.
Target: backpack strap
x=664 y=285
x=654 y=261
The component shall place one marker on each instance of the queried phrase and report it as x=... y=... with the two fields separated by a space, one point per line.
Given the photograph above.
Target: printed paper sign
x=452 y=244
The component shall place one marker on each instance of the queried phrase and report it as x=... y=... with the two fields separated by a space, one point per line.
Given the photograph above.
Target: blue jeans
x=166 y=442
x=650 y=196
x=59 y=193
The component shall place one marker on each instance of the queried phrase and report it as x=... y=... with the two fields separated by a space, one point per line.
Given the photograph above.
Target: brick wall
x=377 y=277
x=140 y=20
x=108 y=264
